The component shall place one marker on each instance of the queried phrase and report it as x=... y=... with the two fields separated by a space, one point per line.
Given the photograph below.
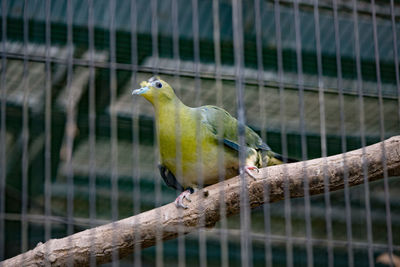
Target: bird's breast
x=193 y=155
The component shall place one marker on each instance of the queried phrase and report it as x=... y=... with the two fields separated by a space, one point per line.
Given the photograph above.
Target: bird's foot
x=179 y=200
x=249 y=169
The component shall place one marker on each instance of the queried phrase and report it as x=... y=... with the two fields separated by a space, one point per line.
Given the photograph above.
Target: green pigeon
x=208 y=127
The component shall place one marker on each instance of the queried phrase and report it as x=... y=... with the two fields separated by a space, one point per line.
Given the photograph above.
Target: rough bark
x=123 y=236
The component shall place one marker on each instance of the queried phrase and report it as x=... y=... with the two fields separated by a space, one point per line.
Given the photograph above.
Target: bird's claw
x=248 y=170
x=179 y=200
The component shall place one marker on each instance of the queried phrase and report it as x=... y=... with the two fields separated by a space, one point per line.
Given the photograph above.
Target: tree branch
x=124 y=236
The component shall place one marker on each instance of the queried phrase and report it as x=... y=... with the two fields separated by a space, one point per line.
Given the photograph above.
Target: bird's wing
x=169 y=178
x=225 y=127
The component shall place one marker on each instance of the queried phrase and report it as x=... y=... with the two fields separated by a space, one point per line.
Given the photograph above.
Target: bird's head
x=155 y=90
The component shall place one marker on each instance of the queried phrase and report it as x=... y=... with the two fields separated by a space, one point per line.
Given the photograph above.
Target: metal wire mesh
x=312 y=78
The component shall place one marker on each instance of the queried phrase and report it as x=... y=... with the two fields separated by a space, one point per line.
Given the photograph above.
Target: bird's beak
x=140 y=91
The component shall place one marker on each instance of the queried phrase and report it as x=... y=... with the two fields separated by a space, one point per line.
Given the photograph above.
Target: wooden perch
x=167 y=221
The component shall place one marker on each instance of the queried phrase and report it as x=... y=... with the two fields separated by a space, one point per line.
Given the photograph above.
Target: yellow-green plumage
x=188 y=136
x=200 y=141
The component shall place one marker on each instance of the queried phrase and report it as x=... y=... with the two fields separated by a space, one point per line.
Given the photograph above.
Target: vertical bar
x=154 y=35
x=343 y=137
x=260 y=81
x=221 y=171
x=25 y=136
x=70 y=123
x=260 y=66
x=282 y=118
x=396 y=59
x=382 y=135
x=323 y=135
x=342 y=126
x=321 y=97
x=3 y=145
x=135 y=138
x=396 y=63
x=92 y=132
x=175 y=39
x=196 y=56
x=395 y=53
x=196 y=50
x=47 y=152
x=70 y=129
x=114 y=131
x=178 y=147
x=157 y=185
x=245 y=223
x=343 y=134
x=299 y=59
x=362 y=135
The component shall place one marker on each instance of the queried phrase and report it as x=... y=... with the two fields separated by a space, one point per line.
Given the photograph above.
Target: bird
x=192 y=139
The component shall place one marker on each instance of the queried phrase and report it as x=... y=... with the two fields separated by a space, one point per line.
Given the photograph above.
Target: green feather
x=223 y=125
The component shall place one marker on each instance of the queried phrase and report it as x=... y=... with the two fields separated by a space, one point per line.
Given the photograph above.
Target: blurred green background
x=80 y=151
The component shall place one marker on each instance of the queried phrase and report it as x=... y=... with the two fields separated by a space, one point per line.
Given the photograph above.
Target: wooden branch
x=123 y=236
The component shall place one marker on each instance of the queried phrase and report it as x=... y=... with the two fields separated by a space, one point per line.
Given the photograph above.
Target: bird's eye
x=158 y=84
